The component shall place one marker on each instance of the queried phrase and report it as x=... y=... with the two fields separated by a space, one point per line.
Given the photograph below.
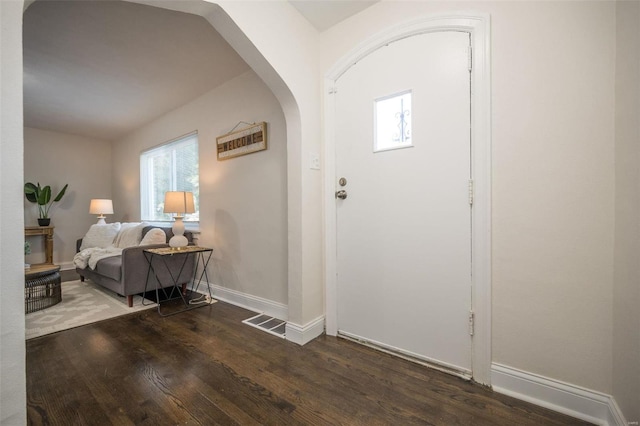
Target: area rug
x=82 y=303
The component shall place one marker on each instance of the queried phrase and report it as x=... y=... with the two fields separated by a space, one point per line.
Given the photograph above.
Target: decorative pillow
x=130 y=235
x=154 y=236
x=101 y=236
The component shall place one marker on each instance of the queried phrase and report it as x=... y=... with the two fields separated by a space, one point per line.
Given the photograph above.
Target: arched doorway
x=478 y=27
x=261 y=51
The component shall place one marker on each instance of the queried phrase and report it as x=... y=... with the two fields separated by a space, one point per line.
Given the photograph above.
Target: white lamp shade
x=179 y=202
x=101 y=206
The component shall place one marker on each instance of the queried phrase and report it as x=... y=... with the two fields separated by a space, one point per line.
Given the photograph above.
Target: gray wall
x=243 y=201
x=54 y=159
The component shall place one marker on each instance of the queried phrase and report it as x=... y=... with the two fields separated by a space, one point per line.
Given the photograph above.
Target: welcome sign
x=242 y=142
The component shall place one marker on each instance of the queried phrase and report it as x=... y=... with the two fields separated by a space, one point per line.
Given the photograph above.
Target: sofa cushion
x=154 y=236
x=101 y=236
x=129 y=235
x=110 y=267
x=168 y=232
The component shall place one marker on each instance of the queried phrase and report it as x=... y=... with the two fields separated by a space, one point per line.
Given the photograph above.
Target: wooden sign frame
x=242 y=142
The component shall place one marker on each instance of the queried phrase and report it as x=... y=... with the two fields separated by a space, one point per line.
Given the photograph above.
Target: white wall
x=277 y=42
x=243 y=201
x=13 y=400
x=626 y=294
x=553 y=69
x=54 y=159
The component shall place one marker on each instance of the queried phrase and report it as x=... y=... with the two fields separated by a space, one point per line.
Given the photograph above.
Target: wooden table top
x=41 y=268
x=164 y=251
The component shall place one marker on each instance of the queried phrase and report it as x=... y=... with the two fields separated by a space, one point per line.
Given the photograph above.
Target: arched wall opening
x=293 y=86
x=287 y=65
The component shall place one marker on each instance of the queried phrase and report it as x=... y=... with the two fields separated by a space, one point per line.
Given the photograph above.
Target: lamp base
x=178 y=239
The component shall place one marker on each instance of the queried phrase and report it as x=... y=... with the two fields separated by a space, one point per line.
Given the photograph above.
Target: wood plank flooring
x=205 y=367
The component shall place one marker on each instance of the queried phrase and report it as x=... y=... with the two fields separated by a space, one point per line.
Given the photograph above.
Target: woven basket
x=42 y=290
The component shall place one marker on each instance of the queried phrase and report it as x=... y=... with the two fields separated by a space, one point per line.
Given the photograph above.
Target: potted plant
x=42 y=197
x=27 y=250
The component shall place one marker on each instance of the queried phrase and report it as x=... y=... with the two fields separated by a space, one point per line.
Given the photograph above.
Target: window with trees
x=172 y=166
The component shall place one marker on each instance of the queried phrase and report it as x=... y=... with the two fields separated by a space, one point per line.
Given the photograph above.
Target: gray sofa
x=127 y=274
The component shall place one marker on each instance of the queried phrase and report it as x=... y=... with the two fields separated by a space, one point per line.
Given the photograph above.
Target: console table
x=165 y=258
x=47 y=233
x=42 y=282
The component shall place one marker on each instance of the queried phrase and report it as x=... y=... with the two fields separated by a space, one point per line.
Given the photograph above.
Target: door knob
x=342 y=194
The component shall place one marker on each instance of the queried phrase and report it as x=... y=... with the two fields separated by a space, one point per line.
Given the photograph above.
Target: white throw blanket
x=92 y=255
x=107 y=244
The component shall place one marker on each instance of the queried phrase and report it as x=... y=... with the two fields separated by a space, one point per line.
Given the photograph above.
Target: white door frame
x=478 y=25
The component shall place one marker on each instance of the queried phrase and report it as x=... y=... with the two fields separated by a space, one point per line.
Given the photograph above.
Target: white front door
x=404 y=228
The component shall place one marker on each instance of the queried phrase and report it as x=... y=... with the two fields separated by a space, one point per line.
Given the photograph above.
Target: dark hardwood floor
x=205 y=367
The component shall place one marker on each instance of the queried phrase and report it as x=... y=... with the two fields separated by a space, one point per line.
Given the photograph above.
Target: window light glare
x=393 y=122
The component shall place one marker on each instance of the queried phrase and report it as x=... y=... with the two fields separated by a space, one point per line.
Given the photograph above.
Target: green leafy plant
x=42 y=197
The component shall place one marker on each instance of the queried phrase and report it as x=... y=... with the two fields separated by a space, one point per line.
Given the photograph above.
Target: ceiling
x=324 y=14
x=102 y=69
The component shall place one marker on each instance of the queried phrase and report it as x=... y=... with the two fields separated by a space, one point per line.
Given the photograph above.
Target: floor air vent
x=266 y=323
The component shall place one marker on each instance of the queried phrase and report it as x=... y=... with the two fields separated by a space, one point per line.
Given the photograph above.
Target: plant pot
x=44 y=222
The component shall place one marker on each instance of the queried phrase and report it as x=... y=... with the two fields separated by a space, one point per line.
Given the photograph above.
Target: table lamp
x=180 y=203
x=101 y=207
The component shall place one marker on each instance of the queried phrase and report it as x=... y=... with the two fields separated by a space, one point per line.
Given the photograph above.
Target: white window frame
x=146 y=176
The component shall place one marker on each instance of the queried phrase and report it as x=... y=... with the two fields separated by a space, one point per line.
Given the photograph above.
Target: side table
x=160 y=258
x=42 y=287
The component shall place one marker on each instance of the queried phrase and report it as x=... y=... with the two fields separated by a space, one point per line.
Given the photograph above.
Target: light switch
x=314 y=163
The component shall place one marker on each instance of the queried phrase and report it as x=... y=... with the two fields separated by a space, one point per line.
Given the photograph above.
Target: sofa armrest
x=135 y=267
x=134 y=263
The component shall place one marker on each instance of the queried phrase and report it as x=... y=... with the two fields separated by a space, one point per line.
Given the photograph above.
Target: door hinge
x=471 y=323
x=470 y=58
x=333 y=90
x=471 y=192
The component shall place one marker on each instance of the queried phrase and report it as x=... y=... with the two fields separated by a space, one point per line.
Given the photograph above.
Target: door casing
x=478 y=26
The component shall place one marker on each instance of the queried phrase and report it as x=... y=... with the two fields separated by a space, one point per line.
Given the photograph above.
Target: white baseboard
x=294 y=332
x=247 y=301
x=565 y=398
x=67 y=266
x=303 y=334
